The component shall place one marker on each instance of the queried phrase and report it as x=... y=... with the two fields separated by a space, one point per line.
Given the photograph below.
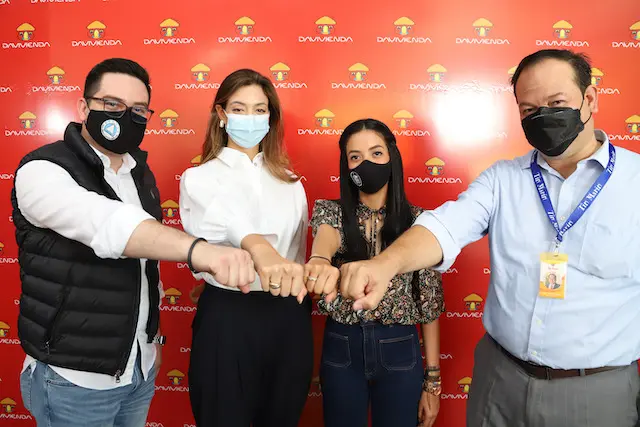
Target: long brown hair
x=275 y=157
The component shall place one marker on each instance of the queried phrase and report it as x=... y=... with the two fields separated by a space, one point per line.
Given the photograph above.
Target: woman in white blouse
x=252 y=350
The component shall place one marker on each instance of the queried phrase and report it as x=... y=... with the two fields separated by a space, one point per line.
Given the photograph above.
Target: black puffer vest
x=77 y=310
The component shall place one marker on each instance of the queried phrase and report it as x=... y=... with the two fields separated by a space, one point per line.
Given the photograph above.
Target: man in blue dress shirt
x=550 y=358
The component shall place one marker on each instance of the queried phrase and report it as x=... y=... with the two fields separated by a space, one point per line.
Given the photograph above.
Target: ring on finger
x=274 y=286
x=313 y=279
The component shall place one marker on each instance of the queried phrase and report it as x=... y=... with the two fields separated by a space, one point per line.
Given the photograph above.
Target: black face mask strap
x=580 y=111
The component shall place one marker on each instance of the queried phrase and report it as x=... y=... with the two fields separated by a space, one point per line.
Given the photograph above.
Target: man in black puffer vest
x=87 y=212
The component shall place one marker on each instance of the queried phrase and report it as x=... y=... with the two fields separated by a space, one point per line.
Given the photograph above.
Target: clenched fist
x=322 y=278
x=229 y=266
x=365 y=282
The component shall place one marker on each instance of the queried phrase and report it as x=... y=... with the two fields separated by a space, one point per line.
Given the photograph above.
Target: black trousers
x=251 y=359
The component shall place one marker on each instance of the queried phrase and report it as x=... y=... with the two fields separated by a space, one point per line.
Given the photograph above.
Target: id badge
x=553 y=275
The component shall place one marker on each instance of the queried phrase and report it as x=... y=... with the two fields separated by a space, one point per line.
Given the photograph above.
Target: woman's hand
x=321 y=278
x=428 y=409
x=278 y=275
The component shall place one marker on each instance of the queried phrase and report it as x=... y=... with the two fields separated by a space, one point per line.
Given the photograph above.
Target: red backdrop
x=436 y=72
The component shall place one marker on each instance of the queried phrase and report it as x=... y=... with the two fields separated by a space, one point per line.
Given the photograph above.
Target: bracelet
x=321 y=257
x=432 y=387
x=193 y=245
x=433 y=368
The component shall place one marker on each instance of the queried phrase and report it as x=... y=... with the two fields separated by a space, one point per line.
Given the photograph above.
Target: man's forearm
x=416 y=249
x=152 y=240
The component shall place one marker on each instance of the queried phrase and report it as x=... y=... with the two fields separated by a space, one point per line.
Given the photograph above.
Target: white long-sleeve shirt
x=230 y=197
x=48 y=197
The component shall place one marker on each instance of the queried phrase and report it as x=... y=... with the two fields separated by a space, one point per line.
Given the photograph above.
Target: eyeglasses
x=116 y=109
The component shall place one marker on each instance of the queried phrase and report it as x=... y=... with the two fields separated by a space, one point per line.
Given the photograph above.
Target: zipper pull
x=118 y=373
x=46 y=345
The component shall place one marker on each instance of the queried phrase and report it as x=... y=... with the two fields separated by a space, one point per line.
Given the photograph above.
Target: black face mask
x=119 y=136
x=552 y=130
x=370 y=177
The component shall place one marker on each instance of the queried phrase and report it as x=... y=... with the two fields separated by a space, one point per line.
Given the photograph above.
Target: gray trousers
x=503 y=395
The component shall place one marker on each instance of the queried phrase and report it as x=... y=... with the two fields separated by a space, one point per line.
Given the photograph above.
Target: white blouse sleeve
x=210 y=210
x=304 y=228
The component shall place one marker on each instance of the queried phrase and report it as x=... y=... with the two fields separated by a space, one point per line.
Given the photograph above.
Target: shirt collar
x=128 y=162
x=232 y=157
x=601 y=155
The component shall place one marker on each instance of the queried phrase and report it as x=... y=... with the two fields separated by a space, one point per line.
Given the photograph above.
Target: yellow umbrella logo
x=169 y=27
x=25 y=32
x=280 y=71
x=358 y=72
x=482 y=27
x=325 y=25
x=562 y=29
x=200 y=72
x=244 y=25
x=403 y=25
x=324 y=118
x=436 y=73
x=96 y=30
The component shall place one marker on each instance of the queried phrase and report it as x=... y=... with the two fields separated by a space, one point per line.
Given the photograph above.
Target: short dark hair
x=579 y=61
x=114 y=65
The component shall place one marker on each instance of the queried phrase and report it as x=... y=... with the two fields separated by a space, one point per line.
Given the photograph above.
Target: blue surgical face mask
x=247 y=130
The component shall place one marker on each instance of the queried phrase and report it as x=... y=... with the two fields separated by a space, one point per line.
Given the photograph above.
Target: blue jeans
x=375 y=364
x=56 y=402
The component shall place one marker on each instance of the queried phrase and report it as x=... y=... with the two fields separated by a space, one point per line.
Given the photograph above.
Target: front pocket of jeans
x=398 y=354
x=53 y=378
x=336 y=350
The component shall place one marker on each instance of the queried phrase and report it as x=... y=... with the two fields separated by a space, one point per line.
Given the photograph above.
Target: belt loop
x=547 y=373
x=583 y=373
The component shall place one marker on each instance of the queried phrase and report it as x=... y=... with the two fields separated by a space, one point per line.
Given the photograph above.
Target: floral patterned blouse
x=408 y=301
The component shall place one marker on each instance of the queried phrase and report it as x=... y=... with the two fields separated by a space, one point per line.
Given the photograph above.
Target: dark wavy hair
x=398 y=211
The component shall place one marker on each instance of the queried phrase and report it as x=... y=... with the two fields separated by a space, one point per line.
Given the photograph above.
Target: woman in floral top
x=373 y=357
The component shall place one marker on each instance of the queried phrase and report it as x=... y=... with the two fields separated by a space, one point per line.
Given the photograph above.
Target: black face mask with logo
x=119 y=136
x=370 y=177
x=551 y=130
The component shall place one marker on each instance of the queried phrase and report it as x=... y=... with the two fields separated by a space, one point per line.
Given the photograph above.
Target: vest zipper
x=56 y=319
x=136 y=307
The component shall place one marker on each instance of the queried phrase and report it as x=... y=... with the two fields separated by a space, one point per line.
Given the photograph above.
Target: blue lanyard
x=584 y=204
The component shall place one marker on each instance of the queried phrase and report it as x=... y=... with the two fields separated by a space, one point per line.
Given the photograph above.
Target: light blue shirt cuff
x=450 y=249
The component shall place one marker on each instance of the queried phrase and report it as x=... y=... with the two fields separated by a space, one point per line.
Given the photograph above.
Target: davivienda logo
x=598 y=80
x=632 y=127
x=56 y=77
x=358 y=74
x=482 y=28
x=403 y=32
x=169 y=32
x=27 y=39
x=245 y=30
x=96 y=37
x=169 y=120
x=435 y=169
x=199 y=79
x=280 y=73
x=562 y=31
x=323 y=125
x=325 y=28
x=405 y=127
x=175 y=379
x=634 y=39
x=463 y=387
x=28 y=126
